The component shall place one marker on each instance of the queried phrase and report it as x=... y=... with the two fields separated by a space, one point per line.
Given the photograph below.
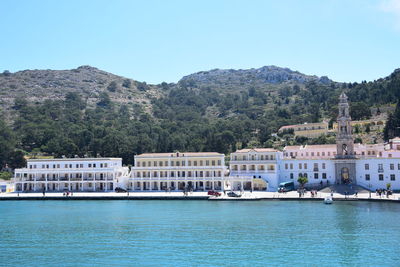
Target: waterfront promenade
x=293 y=195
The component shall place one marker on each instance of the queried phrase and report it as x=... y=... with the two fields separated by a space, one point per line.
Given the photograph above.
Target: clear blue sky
x=157 y=41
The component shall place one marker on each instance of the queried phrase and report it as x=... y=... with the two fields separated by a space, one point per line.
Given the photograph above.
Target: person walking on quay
x=44 y=192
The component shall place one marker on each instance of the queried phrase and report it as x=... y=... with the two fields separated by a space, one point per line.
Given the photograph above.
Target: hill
x=88 y=82
x=86 y=111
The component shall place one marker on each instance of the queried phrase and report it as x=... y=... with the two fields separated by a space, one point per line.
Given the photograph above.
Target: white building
x=178 y=171
x=372 y=166
x=76 y=174
x=258 y=166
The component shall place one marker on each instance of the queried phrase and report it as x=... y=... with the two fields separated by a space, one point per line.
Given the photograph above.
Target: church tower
x=345 y=160
x=344 y=137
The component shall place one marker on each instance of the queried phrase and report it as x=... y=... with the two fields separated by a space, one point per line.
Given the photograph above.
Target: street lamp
x=369 y=186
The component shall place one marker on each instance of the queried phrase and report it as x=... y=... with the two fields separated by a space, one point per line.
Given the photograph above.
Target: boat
x=328 y=200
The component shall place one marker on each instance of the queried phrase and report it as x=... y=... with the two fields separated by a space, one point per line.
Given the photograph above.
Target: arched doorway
x=345 y=175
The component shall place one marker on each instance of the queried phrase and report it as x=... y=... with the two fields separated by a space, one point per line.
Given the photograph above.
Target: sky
x=157 y=41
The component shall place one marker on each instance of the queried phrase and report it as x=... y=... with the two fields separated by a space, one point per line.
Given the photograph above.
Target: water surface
x=198 y=233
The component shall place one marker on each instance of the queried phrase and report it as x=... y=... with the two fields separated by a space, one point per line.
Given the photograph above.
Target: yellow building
x=178 y=171
x=310 y=130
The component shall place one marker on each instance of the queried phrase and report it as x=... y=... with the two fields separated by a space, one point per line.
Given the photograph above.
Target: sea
x=199 y=233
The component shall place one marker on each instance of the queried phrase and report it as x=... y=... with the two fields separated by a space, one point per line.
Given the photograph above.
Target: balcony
x=380 y=170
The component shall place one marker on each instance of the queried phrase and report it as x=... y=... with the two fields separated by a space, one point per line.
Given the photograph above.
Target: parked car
x=233 y=194
x=214 y=193
x=120 y=190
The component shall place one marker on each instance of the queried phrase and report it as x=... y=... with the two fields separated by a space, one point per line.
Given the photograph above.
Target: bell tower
x=344 y=137
x=345 y=160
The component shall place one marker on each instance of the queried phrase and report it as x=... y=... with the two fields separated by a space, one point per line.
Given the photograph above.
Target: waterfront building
x=257 y=165
x=369 y=165
x=72 y=174
x=179 y=171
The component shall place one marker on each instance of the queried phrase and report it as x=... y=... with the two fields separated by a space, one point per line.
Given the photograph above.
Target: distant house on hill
x=310 y=130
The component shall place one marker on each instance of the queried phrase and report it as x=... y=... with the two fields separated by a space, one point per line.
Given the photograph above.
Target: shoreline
x=247 y=196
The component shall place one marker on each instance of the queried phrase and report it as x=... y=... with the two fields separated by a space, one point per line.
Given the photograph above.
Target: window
x=291 y=176
x=81 y=165
x=300 y=165
x=166 y=163
x=207 y=163
x=201 y=163
x=101 y=165
x=286 y=166
x=219 y=162
x=262 y=157
x=324 y=175
x=316 y=175
x=380 y=167
x=380 y=177
x=391 y=166
x=367 y=177
x=213 y=162
x=305 y=165
x=66 y=165
x=138 y=163
x=155 y=163
x=367 y=166
x=291 y=166
x=195 y=163
x=315 y=167
x=172 y=163
x=392 y=177
x=323 y=165
x=398 y=166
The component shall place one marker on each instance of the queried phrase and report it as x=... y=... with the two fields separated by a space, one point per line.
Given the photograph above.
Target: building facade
x=369 y=165
x=310 y=130
x=178 y=171
x=258 y=166
x=77 y=174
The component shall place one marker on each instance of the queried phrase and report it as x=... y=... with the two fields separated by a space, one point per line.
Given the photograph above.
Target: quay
x=246 y=196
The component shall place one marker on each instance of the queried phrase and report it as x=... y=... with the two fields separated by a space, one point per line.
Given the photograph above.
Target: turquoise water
x=198 y=233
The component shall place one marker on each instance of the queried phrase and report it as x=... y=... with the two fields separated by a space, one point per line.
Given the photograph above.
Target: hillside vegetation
x=88 y=112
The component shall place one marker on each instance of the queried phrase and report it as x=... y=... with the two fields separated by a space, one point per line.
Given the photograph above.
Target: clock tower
x=344 y=137
x=345 y=160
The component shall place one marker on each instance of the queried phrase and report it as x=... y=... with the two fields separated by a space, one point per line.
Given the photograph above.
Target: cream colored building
x=178 y=171
x=310 y=130
x=255 y=169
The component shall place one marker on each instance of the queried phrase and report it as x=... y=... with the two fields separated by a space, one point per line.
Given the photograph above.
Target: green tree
x=113 y=86
x=302 y=181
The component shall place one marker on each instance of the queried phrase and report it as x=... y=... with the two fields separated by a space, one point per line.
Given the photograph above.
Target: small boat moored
x=328 y=200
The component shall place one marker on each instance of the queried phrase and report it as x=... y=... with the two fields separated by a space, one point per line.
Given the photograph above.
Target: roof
x=72 y=159
x=310 y=147
x=246 y=150
x=181 y=154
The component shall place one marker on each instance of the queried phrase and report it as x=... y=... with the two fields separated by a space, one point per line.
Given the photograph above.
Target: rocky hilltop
x=271 y=75
x=89 y=82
